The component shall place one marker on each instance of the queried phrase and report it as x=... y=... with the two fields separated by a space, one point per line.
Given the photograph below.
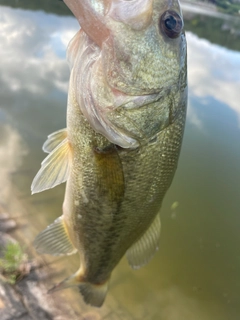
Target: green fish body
x=125 y=121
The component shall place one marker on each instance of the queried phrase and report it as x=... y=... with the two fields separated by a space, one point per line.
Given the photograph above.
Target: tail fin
x=93 y=294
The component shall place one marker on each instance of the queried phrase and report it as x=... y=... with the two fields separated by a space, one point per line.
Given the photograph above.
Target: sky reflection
x=12 y=151
x=32 y=52
x=212 y=73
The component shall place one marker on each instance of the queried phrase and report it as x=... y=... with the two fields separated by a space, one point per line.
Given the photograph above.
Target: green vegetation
x=228 y=6
x=213 y=30
x=13 y=264
x=59 y=8
x=51 y=6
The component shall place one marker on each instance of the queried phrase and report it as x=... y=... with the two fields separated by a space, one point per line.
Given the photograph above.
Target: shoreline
x=208 y=9
x=27 y=299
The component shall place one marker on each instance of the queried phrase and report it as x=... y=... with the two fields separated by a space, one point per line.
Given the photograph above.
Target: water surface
x=195 y=274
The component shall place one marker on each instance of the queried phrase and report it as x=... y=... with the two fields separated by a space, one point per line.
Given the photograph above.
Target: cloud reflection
x=33 y=46
x=213 y=72
x=12 y=151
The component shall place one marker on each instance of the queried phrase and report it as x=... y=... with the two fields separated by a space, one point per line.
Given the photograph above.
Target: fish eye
x=171 y=24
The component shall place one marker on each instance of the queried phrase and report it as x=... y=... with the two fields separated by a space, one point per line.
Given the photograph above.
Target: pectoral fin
x=54 y=240
x=144 y=249
x=54 y=168
x=54 y=139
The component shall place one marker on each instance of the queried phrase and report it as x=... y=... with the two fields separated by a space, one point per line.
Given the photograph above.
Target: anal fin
x=141 y=252
x=54 y=240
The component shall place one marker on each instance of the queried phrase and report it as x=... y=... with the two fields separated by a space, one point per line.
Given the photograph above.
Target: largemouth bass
x=125 y=121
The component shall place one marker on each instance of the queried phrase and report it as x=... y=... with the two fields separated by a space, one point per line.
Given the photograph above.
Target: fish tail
x=93 y=294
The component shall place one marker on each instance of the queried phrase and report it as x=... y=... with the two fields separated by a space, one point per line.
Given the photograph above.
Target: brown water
x=196 y=273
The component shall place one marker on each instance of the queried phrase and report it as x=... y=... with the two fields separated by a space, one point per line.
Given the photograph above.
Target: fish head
x=129 y=66
x=144 y=53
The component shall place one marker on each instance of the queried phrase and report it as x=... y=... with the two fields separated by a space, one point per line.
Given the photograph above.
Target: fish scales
x=125 y=121
x=99 y=219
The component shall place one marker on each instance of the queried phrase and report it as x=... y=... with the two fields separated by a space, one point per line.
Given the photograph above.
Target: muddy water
x=195 y=274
